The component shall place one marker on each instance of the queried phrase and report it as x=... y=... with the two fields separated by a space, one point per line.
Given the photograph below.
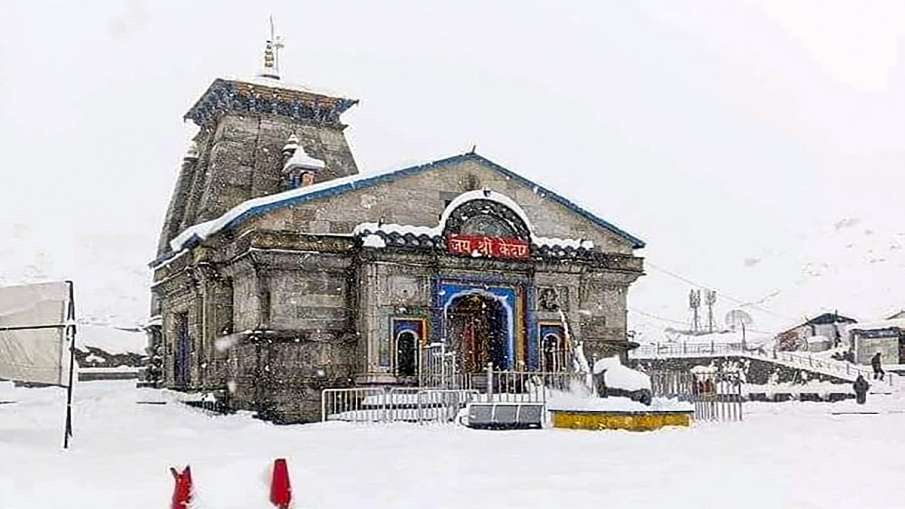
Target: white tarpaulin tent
x=33 y=340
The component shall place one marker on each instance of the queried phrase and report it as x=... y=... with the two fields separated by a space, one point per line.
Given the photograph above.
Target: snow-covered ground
x=783 y=455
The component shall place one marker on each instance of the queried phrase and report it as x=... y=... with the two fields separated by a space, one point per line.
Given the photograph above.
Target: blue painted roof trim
x=414 y=170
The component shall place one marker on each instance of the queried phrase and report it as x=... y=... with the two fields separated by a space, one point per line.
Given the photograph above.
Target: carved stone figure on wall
x=549 y=299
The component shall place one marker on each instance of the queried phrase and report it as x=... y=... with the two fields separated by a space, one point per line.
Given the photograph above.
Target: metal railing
x=439 y=404
x=717 y=397
x=804 y=360
x=438 y=368
x=443 y=405
x=656 y=350
x=354 y=404
x=672 y=384
x=393 y=404
x=525 y=386
x=843 y=369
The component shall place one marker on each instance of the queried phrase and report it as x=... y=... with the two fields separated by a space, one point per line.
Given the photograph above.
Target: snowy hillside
x=109 y=269
x=851 y=265
x=111 y=339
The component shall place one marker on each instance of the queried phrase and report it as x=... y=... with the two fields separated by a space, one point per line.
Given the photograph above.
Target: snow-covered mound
x=617 y=376
x=558 y=400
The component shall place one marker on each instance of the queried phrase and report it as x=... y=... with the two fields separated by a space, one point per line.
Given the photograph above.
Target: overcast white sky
x=758 y=147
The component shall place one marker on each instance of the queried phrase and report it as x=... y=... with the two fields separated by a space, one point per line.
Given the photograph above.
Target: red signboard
x=489 y=247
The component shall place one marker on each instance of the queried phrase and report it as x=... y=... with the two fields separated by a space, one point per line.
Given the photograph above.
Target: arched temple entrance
x=478 y=331
x=406 y=346
x=553 y=348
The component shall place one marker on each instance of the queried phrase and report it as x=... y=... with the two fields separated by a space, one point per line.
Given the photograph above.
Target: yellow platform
x=631 y=421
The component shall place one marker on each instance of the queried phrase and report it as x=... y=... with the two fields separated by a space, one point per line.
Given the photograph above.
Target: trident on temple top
x=272 y=55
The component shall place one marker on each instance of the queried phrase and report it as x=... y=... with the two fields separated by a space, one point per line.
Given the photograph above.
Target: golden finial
x=272 y=54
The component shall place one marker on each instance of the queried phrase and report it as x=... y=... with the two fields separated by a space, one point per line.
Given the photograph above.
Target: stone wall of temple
x=290 y=323
x=398 y=288
x=282 y=380
x=272 y=329
x=288 y=303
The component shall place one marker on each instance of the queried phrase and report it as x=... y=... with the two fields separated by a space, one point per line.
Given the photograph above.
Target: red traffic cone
x=182 y=492
x=280 y=490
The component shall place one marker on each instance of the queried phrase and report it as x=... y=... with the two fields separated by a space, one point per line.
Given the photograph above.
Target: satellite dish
x=738 y=318
x=672 y=334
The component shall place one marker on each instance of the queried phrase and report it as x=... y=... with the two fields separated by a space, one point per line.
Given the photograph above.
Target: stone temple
x=282 y=271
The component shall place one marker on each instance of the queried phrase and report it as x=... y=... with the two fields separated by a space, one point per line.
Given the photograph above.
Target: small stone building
x=832 y=326
x=886 y=337
x=282 y=271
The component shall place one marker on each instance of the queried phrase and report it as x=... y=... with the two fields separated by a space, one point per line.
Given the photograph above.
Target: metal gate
x=672 y=384
x=716 y=395
x=438 y=368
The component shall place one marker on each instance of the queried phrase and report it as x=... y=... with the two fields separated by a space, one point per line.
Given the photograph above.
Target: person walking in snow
x=878 y=368
x=861 y=387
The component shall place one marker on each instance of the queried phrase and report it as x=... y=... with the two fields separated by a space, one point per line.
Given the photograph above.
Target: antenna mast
x=710 y=298
x=694 y=302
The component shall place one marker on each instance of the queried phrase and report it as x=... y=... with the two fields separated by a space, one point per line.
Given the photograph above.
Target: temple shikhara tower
x=282 y=271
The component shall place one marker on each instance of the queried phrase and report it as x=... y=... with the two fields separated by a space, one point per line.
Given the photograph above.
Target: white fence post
x=421 y=350
x=443 y=365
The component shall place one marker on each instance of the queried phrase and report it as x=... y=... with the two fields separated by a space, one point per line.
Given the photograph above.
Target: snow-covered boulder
x=611 y=378
x=617 y=376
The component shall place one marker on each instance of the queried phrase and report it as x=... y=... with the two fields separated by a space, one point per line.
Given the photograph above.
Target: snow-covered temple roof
x=258 y=206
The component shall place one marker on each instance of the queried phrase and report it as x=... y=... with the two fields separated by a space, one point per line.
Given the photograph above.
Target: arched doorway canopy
x=486 y=213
